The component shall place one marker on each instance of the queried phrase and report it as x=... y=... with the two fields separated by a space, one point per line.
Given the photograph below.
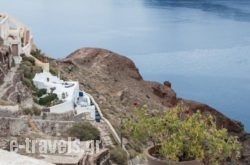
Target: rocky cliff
x=12 y=90
x=117 y=85
x=5 y=61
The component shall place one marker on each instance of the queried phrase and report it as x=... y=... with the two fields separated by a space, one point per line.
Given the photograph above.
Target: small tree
x=118 y=155
x=184 y=136
x=41 y=92
x=30 y=59
x=144 y=126
x=47 y=100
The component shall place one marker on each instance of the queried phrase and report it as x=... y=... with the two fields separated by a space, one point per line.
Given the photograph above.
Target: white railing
x=114 y=133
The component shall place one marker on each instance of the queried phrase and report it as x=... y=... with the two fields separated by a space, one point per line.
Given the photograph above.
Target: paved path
x=104 y=133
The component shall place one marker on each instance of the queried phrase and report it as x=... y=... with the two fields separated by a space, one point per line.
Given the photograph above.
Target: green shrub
x=25 y=66
x=22 y=55
x=32 y=111
x=27 y=69
x=132 y=153
x=36 y=111
x=27 y=63
x=37 y=69
x=46 y=101
x=41 y=92
x=53 y=71
x=30 y=59
x=27 y=111
x=29 y=74
x=84 y=131
x=184 y=135
x=36 y=52
x=118 y=155
x=36 y=100
x=27 y=82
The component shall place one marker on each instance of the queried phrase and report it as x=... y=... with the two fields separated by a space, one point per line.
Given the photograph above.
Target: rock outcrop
x=221 y=120
x=5 y=62
x=12 y=89
x=117 y=85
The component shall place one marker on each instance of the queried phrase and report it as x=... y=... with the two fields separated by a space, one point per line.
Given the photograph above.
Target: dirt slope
x=117 y=85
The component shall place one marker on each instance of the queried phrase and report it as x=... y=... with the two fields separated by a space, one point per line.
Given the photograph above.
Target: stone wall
x=53 y=128
x=13 y=126
x=17 y=126
x=67 y=116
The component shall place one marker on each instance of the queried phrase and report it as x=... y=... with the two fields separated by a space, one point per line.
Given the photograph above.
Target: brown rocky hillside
x=118 y=87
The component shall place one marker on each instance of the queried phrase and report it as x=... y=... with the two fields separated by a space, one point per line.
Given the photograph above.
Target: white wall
x=39 y=84
x=61 y=108
x=89 y=109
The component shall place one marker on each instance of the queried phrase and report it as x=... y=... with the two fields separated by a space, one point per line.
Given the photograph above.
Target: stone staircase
x=12 y=87
x=7 y=88
x=7 y=81
x=104 y=133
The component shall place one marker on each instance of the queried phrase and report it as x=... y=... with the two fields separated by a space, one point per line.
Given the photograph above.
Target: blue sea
x=201 y=46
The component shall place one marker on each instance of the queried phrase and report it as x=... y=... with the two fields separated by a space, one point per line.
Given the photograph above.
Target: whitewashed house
x=67 y=91
x=15 y=35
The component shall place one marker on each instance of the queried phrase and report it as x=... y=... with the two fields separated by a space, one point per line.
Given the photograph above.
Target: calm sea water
x=202 y=47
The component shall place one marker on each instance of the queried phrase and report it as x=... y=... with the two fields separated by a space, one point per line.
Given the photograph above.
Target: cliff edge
x=117 y=85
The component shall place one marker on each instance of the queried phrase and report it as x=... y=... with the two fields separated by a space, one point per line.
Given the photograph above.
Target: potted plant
x=179 y=136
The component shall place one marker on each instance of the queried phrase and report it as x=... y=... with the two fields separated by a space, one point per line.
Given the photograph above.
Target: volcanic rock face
x=221 y=120
x=5 y=62
x=118 y=87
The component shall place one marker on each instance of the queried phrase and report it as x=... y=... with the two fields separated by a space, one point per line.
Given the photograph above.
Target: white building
x=15 y=35
x=67 y=91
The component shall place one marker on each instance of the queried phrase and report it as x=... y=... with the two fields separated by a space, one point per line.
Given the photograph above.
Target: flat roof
x=60 y=85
